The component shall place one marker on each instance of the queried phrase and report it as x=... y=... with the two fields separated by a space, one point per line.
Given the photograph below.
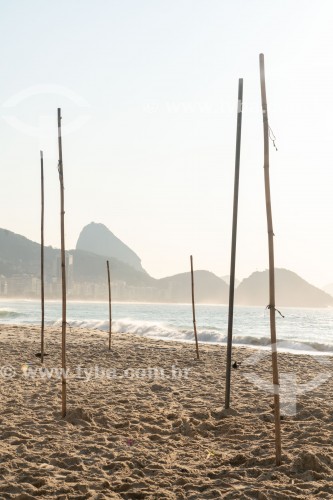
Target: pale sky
x=148 y=91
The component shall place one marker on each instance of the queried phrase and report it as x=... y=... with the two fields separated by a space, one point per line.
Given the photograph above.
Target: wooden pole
x=193 y=310
x=233 y=244
x=110 y=316
x=42 y=257
x=271 y=305
x=63 y=268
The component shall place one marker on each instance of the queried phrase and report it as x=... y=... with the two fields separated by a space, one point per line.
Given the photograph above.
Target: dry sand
x=141 y=435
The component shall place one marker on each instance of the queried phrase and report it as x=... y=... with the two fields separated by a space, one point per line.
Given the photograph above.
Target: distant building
x=23 y=285
x=56 y=271
x=3 y=285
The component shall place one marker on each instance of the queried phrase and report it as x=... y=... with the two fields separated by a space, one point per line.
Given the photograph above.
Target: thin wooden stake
x=110 y=316
x=233 y=244
x=63 y=269
x=271 y=305
x=42 y=257
x=193 y=310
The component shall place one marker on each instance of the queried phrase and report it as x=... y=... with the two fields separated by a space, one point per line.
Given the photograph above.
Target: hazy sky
x=148 y=91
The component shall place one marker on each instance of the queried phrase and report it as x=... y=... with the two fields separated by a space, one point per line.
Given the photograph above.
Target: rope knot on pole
x=272 y=137
x=270 y=306
x=60 y=170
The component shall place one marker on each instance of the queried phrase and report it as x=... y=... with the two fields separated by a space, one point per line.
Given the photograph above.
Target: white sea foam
x=302 y=330
x=159 y=330
x=9 y=313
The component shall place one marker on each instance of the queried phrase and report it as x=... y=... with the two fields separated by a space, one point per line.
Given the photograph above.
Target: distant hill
x=328 y=288
x=208 y=288
x=98 y=239
x=226 y=279
x=18 y=255
x=21 y=256
x=291 y=290
x=86 y=276
x=89 y=267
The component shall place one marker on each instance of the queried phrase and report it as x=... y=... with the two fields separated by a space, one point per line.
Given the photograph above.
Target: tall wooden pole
x=193 y=310
x=271 y=305
x=63 y=268
x=233 y=244
x=42 y=256
x=110 y=315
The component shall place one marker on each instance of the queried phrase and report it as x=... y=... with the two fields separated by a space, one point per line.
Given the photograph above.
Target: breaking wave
x=9 y=314
x=159 y=330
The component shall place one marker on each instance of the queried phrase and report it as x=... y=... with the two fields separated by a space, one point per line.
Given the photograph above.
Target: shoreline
x=282 y=345
x=159 y=437
x=205 y=304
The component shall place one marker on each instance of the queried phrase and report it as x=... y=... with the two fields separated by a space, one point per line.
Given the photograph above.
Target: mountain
x=89 y=267
x=208 y=288
x=226 y=279
x=328 y=289
x=18 y=255
x=86 y=276
x=291 y=290
x=98 y=239
x=86 y=272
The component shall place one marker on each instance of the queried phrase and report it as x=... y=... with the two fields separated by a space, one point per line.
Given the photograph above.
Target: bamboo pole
x=42 y=257
x=193 y=310
x=110 y=315
x=271 y=305
x=63 y=269
x=233 y=244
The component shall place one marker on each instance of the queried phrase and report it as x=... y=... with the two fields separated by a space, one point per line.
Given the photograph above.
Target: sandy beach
x=146 y=421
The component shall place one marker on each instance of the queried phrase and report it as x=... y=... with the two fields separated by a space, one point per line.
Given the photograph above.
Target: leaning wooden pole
x=271 y=305
x=193 y=310
x=63 y=269
x=42 y=257
x=233 y=244
x=110 y=315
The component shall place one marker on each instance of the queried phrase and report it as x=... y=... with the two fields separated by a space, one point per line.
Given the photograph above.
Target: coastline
x=301 y=331
x=146 y=420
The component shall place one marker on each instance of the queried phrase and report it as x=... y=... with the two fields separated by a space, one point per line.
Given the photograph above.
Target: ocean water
x=301 y=330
